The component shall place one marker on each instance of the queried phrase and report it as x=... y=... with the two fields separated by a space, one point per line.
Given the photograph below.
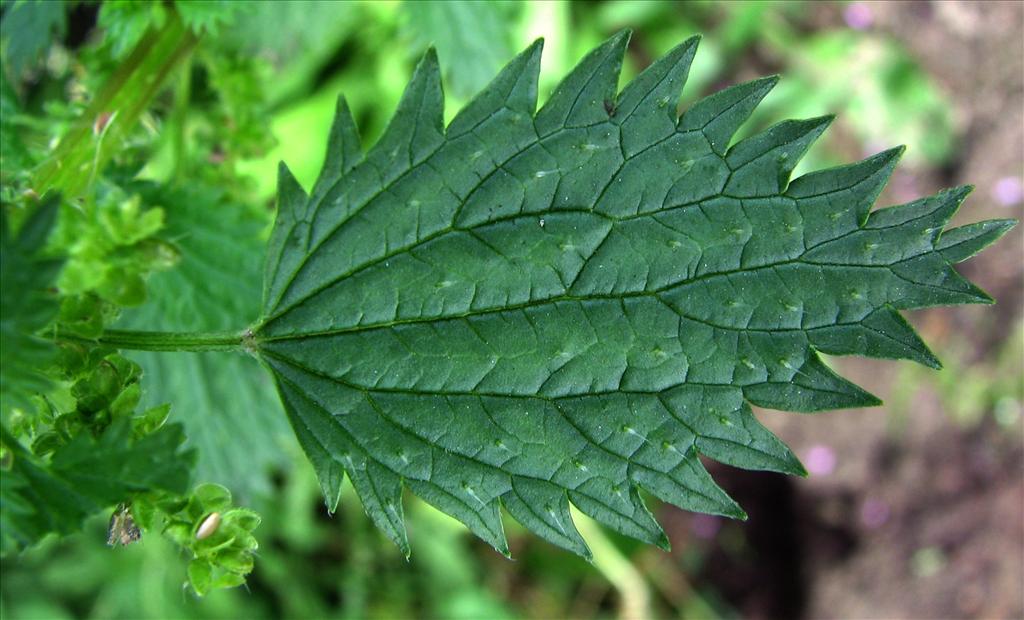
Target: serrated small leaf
x=212 y=497
x=200 y=576
x=532 y=309
x=27 y=305
x=85 y=476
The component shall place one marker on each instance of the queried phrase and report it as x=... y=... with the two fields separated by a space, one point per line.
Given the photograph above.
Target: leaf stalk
x=162 y=341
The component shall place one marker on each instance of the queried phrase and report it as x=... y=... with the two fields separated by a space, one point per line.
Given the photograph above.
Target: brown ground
x=951 y=494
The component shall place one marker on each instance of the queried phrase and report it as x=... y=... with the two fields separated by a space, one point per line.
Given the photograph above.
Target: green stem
x=179 y=119
x=127 y=93
x=163 y=341
x=634 y=595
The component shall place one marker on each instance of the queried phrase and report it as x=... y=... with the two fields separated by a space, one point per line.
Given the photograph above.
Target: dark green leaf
x=26 y=31
x=531 y=309
x=84 y=477
x=27 y=304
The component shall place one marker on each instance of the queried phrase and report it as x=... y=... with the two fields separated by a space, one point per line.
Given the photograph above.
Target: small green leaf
x=84 y=477
x=235 y=561
x=213 y=497
x=227 y=580
x=200 y=576
x=150 y=420
x=243 y=518
x=207 y=16
x=532 y=309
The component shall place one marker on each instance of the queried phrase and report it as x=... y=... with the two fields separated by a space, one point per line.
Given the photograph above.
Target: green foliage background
x=280 y=66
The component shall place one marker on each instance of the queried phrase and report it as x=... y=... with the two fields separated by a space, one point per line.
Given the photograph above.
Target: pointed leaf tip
x=646 y=107
x=956 y=194
x=720 y=115
x=958 y=244
x=620 y=38
x=888 y=158
x=895 y=152
x=615 y=46
x=664 y=543
x=289 y=189
x=429 y=58
x=798 y=468
x=760 y=87
x=692 y=42
x=427 y=70
x=581 y=99
x=343 y=150
x=417 y=128
x=763 y=162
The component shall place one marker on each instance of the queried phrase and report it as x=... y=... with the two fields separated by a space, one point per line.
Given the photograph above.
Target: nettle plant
x=526 y=309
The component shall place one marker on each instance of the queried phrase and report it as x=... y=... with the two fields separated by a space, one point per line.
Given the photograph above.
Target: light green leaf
x=531 y=309
x=472 y=38
x=226 y=403
x=297 y=38
x=208 y=16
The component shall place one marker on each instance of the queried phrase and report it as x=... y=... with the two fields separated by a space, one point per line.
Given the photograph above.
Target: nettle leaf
x=531 y=309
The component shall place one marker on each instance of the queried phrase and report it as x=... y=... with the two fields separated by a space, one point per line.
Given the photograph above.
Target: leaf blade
x=570 y=306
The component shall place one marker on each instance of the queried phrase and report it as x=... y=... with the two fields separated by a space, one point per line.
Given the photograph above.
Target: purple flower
x=820 y=460
x=1008 y=191
x=858 y=16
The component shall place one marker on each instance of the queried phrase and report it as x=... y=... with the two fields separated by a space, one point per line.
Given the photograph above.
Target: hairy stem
x=113 y=113
x=163 y=341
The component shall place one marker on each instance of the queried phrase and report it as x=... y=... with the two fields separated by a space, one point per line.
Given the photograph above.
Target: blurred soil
x=919 y=516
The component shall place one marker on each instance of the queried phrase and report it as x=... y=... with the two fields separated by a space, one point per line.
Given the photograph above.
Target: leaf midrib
x=520 y=396
x=539 y=141
x=453 y=229
x=655 y=293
